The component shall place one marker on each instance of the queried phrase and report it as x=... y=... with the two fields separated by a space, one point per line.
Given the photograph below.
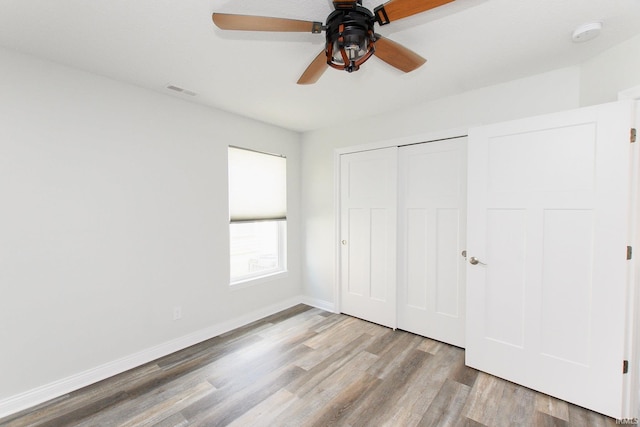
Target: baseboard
x=318 y=303
x=67 y=385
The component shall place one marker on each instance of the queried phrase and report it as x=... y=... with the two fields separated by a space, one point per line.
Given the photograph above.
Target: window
x=257 y=214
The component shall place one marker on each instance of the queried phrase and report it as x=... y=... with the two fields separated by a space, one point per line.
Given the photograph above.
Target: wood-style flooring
x=307 y=367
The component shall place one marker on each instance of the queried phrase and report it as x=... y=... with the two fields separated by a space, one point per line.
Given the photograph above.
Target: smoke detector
x=586 y=32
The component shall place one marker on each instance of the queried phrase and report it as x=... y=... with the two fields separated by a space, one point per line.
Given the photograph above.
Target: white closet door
x=368 y=199
x=548 y=226
x=432 y=234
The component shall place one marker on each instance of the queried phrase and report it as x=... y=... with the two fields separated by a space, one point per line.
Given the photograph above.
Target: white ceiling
x=151 y=43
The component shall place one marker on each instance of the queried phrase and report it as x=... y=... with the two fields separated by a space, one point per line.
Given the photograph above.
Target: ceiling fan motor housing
x=350 y=37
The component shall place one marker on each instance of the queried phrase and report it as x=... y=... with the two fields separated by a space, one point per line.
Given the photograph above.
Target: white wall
x=113 y=211
x=553 y=91
x=615 y=70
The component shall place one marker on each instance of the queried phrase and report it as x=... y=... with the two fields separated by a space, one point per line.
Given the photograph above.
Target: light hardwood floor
x=307 y=367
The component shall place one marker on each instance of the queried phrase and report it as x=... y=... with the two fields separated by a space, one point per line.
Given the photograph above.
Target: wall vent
x=180 y=90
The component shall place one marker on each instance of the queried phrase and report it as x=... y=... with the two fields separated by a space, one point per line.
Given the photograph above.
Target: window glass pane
x=254 y=249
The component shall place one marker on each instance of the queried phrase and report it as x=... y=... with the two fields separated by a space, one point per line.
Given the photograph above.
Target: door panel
x=447 y=262
x=504 y=297
x=368 y=188
x=566 y=252
x=416 y=272
x=432 y=223
x=548 y=220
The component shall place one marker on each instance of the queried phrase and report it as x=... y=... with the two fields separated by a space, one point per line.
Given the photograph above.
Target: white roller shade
x=257 y=186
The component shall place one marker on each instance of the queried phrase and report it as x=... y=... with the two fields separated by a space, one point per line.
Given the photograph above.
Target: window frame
x=261 y=276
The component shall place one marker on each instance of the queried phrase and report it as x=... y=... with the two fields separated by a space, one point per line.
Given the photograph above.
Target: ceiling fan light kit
x=350 y=37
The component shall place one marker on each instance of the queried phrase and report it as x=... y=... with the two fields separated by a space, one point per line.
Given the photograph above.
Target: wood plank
x=482 y=405
x=446 y=407
x=461 y=372
x=237 y=404
x=315 y=400
x=175 y=420
x=343 y=404
x=431 y=346
x=376 y=407
x=545 y=420
x=552 y=406
x=321 y=371
x=154 y=410
x=420 y=393
x=264 y=414
x=394 y=353
x=517 y=406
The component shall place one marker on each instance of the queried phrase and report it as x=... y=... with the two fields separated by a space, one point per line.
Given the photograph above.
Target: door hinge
x=629 y=252
x=625 y=366
x=633 y=135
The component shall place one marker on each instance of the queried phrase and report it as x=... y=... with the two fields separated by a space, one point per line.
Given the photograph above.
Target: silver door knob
x=344 y=242
x=464 y=253
x=475 y=261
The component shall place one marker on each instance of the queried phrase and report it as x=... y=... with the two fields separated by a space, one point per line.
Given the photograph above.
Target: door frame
x=631 y=384
x=337 y=153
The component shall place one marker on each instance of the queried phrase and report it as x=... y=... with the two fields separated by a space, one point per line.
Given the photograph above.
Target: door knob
x=464 y=253
x=475 y=261
x=344 y=242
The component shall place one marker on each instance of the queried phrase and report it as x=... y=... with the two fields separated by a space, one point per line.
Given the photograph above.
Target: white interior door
x=368 y=203
x=548 y=222
x=432 y=235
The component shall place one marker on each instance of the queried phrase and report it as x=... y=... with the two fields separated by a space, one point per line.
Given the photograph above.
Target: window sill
x=245 y=283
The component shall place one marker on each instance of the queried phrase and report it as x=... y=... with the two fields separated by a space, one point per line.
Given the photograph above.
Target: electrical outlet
x=177 y=313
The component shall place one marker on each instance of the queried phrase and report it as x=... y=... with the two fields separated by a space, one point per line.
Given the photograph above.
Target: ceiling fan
x=350 y=39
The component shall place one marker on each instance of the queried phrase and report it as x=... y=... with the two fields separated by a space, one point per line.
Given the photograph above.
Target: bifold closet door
x=431 y=238
x=368 y=204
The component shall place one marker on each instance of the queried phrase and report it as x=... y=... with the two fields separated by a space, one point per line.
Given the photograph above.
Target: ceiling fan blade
x=228 y=21
x=315 y=70
x=397 y=55
x=398 y=9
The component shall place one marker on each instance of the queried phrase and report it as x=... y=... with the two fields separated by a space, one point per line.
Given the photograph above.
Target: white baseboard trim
x=67 y=385
x=318 y=303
